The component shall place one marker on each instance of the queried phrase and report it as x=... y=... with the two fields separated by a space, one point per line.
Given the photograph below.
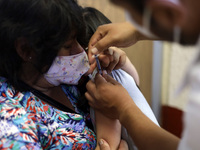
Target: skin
x=126 y=65
x=103 y=90
x=103 y=145
x=118 y=104
x=108 y=129
x=37 y=81
x=114 y=58
x=107 y=36
x=112 y=127
x=72 y=47
x=166 y=15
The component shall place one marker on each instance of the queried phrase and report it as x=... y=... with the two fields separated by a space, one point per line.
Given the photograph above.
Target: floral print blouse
x=26 y=122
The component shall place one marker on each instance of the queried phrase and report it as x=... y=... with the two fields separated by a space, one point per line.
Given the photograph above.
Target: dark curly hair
x=45 y=24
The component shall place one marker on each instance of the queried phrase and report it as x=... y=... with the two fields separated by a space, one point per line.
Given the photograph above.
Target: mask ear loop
x=177 y=34
x=174 y=1
x=146 y=21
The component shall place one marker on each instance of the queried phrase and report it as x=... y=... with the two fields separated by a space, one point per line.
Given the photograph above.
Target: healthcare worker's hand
x=110 y=59
x=104 y=145
x=118 y=34
x=108 y=96
x=113 y=58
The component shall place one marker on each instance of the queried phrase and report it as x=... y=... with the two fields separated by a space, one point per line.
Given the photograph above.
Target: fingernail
x=116 y=56
x=101 y=142
x=110 y=51
x=94 y=50
x=94 y=56
x=105 y=72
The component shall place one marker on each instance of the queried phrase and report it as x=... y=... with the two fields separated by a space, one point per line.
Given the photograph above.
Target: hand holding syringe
x=98 y=64
x=97 y=69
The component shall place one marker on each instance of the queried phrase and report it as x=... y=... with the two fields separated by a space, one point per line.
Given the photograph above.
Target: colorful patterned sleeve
x=26 y=122
x=16 y=130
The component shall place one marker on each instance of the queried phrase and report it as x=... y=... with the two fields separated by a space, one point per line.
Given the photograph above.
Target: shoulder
x=121 y=76
x=9 y=101
x=6 y=90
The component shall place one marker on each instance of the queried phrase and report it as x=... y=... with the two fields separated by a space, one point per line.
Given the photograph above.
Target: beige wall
x=114 y=13
x=139 y=54
x=176 y=60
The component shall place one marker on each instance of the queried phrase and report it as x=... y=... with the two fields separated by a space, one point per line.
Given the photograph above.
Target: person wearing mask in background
x=171 y=20
x=127 y=76
x=42 y=103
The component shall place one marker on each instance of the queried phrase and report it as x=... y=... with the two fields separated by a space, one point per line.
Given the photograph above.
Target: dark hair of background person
x=45 y=25
x=93 y=19
x=156 y=27
x=137 y=4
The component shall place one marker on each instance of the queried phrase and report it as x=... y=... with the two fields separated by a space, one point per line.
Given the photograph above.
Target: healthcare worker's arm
x=109 y=97
x=116 y=34
x=108 y=129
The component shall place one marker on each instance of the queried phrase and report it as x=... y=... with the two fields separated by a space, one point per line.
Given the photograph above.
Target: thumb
x=99 y=79
x=99 y=42
x=109 y=79
x=103 y=145
x=102 y=45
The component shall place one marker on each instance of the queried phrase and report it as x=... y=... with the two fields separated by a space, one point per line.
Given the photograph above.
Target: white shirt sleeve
x=129 y=84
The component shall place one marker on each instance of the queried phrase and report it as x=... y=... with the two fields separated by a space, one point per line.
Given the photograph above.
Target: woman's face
x=71 y=47
x=70 y=66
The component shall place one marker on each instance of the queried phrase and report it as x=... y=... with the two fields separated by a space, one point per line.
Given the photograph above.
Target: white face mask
x=68 y=69
x=145 y=28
